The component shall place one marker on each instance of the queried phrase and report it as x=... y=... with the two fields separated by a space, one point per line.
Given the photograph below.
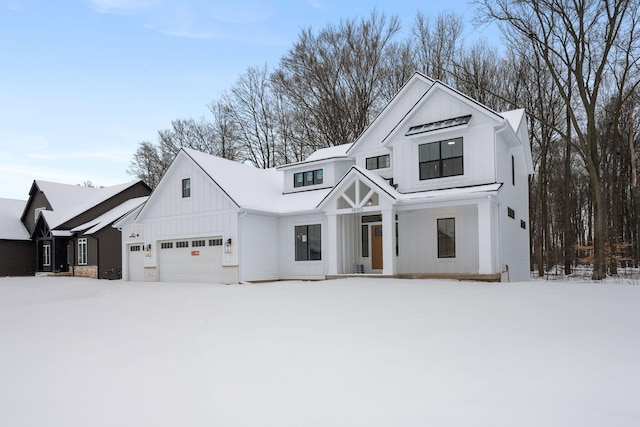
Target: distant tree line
x=573 y=65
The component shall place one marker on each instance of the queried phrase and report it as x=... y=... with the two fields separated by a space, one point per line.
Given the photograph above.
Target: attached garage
x=191 y=260
x=135 y=263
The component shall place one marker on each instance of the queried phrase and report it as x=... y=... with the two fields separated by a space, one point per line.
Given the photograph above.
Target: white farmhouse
x=436 y=186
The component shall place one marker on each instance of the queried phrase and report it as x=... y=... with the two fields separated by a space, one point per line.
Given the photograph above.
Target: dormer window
x=378 y=162
x=303 y=179
x=441 y=159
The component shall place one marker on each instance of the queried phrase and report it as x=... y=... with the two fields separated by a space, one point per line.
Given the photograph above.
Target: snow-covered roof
x=111 y=216
x=514 y=117
x=68 y=201
x=329 y=153
x=253 y=188
x=11 y=227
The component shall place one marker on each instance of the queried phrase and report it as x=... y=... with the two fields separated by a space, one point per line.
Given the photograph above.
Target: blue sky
x=82 y=82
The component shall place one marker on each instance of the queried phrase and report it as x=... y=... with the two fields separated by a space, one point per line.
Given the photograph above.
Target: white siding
x=258 y=247
x=478 y=146
x=418 y=241
x=514 y=240
x=289 y=267
x=207 y=212
x=333 y=171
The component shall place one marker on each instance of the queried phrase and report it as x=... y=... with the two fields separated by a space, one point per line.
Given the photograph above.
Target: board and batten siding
x=258 y=247
x=289 y=267
x=478 y=147
x=208 y=212
x=418 y=241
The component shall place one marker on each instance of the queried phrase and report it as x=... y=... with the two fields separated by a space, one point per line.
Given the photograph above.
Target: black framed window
x=378 y=162
x=186 y=188
x=511 y=213
x=365 y=241
x=513 y=170
x=302 y=179
x=308 y=242
x=446 y=238
x=441 y=159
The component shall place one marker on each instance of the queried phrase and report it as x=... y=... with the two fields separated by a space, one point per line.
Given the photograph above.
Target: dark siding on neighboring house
x=38 y=201
x=17 y=258
x=104 y=254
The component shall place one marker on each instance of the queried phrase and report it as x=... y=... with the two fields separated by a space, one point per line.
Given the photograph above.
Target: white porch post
x=332 y=246
x=485 y=238
x=388 y=252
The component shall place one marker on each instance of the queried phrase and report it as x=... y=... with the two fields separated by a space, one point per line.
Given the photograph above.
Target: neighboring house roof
x=110 y=217
x=68 y=201
x=11 y=227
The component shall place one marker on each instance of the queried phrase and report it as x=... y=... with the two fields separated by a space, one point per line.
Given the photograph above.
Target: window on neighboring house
x=446 y=238
x=441 y=159
x=46 y=255
x=302 y=179
x=308 y=242
x=378 y=162
x=82 y=251
x=186 y=188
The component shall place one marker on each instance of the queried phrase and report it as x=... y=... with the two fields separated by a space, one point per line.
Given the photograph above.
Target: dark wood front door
x=376 y=247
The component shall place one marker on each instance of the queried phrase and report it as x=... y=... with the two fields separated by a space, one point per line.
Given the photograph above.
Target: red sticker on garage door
x=195 y=253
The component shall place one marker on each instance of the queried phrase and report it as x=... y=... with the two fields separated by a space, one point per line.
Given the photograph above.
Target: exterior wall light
x=227 y=246
x=148 y=250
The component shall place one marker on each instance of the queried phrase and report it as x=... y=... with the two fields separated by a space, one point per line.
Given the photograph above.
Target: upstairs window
x=441 y=159
x=303 y=179
x=378 y=162
x=186 y=188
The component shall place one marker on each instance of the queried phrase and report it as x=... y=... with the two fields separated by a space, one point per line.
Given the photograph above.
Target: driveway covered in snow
x=349 y=352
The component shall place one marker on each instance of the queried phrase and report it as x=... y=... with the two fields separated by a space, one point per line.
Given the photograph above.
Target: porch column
x=486 y=241
x=388 y=248
x=332 y=245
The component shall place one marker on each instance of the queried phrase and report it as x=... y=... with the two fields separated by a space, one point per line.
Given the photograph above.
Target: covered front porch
x=372 y=230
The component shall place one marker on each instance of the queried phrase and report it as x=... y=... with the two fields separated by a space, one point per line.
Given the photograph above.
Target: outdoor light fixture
x=227 y=246
x=148 y=250
x=369 y=202
x=133 y=235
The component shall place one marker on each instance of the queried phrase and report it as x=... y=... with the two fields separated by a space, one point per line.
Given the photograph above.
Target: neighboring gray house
x=17 y=251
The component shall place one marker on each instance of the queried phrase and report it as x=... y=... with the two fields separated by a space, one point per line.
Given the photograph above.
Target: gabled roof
x=406 y=90
x=253 y=188
x=11 y=228
x=110 y=217
x=69 y=201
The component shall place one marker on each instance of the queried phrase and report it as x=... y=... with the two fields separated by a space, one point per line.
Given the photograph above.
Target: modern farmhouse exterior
x=436 y=186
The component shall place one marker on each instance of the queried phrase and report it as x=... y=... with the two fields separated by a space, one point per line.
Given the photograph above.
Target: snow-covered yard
x=349 y=352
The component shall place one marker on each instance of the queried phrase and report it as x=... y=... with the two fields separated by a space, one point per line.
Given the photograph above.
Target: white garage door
x=191 y=260
x=135 y=263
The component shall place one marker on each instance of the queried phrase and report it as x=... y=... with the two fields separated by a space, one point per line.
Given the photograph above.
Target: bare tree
x=584 y=37
x=335 y=77
x=439 y=44
x=148 y=164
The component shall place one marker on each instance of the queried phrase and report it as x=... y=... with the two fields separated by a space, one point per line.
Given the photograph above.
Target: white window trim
x=82 y=243
x=46 y=250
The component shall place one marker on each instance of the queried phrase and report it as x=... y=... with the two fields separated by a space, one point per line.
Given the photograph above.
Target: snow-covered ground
x=349 y=352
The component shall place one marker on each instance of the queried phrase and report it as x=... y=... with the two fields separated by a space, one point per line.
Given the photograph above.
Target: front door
x=376 y=247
